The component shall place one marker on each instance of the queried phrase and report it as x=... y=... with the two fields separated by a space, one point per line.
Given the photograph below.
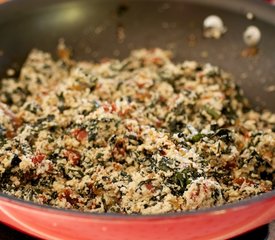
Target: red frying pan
x=27 y=24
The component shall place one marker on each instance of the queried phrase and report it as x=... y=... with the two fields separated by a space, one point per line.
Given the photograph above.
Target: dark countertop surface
x=7 y=233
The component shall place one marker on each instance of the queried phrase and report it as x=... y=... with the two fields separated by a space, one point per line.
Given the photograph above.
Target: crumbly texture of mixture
x=139 y=136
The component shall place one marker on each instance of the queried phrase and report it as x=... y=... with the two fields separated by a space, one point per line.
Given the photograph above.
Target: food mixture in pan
x=139 y=136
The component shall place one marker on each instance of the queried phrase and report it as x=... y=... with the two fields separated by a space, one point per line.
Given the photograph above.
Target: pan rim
x=118 y=216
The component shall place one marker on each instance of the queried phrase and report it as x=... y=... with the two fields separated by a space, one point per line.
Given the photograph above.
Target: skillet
x=90 y=28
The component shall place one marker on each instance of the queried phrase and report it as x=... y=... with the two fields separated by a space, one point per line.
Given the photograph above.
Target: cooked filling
x=143 y=135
